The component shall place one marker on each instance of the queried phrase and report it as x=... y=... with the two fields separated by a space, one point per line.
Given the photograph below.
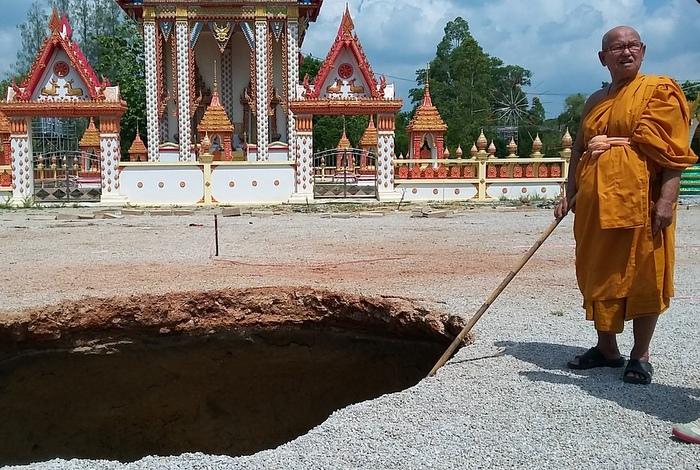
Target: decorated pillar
x=22 y=162
x=385 y=157
x=304 y=168
x=110 y=154
x=183 y=84
x=150 y=36
x=292 y=80
x=261 y=82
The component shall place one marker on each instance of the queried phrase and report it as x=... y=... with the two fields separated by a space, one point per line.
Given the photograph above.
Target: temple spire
x=427 y=100
x=215 y=99
x=216 y=87
x=346 y=25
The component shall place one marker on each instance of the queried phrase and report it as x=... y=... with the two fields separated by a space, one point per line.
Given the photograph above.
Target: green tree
x=309 y=65
x=107 y=17
x=62 y=6
x=536 y=112
x=4 y=85
x=33 y=31
x=401 y=142
x=466 y=84
x=573 y=111
x=121 y=60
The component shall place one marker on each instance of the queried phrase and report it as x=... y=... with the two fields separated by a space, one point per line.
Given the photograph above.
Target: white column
x=22 y=164
x=183 y=88
x=385 y=158
x=110 y=154
x=304 y=150
x=292 y=80
x=261 y=87
x=150 y=36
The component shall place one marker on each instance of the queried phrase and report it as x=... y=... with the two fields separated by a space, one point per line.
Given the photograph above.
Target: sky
x=557 y=40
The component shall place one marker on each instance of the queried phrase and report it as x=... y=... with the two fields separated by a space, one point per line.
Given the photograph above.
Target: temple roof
x=91 y=137
x=344 y=142
x=137 y=147
x=5 y=127
x=307 y=8
x=427 y=117
x=215 y=118
x=61 y=38
x=345 y=40
x=369 y=138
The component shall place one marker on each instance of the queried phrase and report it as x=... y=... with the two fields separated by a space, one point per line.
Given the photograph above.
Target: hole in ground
x=226 y=372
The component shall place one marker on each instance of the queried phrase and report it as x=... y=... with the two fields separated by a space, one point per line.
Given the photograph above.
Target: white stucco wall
x=162 y=184
x=235 y=184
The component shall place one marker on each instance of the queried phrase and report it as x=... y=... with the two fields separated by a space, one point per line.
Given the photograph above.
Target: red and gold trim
x=58 y=39
x=345 y=39
x=339 y=107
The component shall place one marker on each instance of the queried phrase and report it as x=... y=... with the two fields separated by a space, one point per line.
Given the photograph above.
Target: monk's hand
x=561 y=209
x=662 y=215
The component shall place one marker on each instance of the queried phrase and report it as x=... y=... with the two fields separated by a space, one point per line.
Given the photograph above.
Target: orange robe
x=623 y=271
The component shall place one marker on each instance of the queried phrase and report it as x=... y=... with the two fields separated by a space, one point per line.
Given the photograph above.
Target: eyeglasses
x=633 y=47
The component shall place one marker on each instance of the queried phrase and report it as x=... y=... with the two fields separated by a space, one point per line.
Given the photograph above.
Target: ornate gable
x=346 y=72
x=60 y=72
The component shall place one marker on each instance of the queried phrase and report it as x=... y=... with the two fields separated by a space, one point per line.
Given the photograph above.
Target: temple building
x=230 y=122
x=426 y=131
x=256 y=46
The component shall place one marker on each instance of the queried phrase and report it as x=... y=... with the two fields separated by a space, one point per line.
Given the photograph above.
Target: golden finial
x=492 y=150
x=536 y=147
x=206 y=142
x=446 y=153
x=473 y=151
x=512 y=148
x=566 y=140
x=460 y=152
x=481 y=142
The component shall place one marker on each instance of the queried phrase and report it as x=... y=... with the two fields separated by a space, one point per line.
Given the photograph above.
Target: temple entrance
x=50 y=162
x=67 y=176
x=345 y=173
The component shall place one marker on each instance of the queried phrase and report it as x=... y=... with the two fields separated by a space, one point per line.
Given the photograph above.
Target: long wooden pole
x=494 y=295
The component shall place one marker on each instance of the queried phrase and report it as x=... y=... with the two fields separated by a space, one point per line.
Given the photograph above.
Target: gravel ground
x=505 y=402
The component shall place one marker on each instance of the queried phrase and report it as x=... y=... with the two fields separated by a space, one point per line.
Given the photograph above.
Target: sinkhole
x=226 y=372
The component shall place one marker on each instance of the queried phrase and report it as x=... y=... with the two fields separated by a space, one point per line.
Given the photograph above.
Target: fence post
x=482 y=180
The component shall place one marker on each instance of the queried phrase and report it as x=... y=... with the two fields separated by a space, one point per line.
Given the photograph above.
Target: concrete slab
x=231 y=212
x=132 y=212
x=370 y=215
x=161 y=212
x=67 y=217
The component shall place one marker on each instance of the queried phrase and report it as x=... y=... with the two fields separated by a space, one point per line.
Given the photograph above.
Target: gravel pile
x=505 y=402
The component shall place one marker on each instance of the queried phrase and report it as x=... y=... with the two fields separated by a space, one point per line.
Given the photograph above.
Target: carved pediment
x=346 y=72
x=61 y=71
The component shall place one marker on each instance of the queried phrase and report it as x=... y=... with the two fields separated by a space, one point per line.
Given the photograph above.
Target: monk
x=625 y=176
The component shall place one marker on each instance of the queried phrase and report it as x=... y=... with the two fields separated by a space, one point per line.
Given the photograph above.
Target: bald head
x=616 y=32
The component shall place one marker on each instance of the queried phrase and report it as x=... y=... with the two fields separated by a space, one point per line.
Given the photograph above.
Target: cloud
x=8 y=50
x=575 y=25
x=556 y=39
